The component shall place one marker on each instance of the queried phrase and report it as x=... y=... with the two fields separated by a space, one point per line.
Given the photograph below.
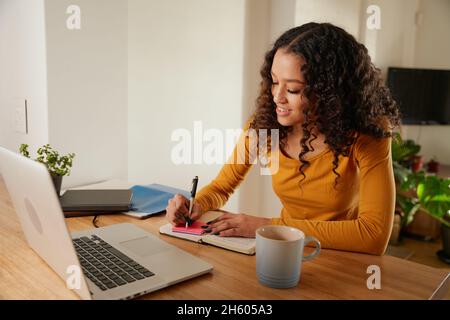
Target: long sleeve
x=370 y=231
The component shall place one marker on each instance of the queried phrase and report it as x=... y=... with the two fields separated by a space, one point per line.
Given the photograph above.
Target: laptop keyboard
x=106 y=266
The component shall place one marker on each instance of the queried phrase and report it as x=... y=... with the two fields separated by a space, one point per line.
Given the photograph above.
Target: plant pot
x=444 y=254
x=57 y=181
x=433 y=166
x=417 y=163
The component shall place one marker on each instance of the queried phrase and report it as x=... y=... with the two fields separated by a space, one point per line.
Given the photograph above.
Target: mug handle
x=307 y=240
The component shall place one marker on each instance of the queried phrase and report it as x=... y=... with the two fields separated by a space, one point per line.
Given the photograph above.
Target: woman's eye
x=274 y=83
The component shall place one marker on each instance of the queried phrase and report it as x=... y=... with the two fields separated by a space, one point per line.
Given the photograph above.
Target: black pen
x=191 y=204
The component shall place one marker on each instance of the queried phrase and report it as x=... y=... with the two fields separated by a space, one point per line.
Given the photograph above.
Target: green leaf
x=403 y=150
x=23 y=149
x=56 y=164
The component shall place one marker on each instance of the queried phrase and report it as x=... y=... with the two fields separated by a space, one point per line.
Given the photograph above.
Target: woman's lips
x=283 y=111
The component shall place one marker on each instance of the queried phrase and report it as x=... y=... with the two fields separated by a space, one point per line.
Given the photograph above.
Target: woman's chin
x=285 y=121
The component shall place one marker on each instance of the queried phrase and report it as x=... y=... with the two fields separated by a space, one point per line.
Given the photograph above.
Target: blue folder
x=152 y=199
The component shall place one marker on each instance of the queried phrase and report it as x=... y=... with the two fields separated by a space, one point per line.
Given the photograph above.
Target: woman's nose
x=279 y=96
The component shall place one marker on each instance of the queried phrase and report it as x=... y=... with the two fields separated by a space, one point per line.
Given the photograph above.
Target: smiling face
x=287 y=86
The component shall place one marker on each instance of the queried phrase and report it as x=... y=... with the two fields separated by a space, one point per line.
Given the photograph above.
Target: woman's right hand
x=177 y=210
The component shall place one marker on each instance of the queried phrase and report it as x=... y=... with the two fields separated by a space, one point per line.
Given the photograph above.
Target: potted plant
x=417 y=163
x=57 y=165
x=418 y=190
x=432 y=196
x=403 y=152
x=433 y=165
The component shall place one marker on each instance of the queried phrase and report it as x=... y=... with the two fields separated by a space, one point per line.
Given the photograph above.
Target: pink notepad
x=195 y=228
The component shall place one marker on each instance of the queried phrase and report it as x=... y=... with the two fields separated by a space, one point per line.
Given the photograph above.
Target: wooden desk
x=332 y=275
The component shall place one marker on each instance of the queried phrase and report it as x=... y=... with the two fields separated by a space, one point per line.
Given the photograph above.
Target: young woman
x=335 y=117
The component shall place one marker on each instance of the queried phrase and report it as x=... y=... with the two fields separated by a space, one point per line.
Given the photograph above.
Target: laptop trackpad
x=144 y=246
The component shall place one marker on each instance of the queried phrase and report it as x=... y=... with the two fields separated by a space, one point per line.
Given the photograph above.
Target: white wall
x=414 y=34
x=265 y=20
x=432 y=139
x=185 y=64
x=342 y=13
x=394 y=43
x=23 y=72
x=87 y=87
x=432 y=50
x=282 y=17
x=256 y=39
x=433 y=34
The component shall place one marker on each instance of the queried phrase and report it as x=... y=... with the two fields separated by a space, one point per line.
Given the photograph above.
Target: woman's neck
x=297 y=133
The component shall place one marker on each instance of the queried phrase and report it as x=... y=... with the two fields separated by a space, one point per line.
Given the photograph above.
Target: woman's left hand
x=237 y=225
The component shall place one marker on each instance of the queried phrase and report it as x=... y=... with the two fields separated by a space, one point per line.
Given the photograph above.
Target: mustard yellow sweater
x=356 y=215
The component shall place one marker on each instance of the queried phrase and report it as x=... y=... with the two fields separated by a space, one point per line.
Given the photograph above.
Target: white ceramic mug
x=279 y=255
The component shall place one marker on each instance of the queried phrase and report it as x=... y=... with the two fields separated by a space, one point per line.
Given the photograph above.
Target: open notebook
x=238 y=244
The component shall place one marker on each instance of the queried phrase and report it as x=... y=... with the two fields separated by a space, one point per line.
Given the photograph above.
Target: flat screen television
x=422 y=94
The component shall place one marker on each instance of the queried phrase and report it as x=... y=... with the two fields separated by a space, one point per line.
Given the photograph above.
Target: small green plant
x=418 y=190
x=432 y=195
x=403 y=150
x=402 y=153
x=57 y=165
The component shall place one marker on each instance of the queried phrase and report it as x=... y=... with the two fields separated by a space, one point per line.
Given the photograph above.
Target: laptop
x=120 y=261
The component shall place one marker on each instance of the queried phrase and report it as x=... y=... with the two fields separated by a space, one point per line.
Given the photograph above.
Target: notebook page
x=244 y=245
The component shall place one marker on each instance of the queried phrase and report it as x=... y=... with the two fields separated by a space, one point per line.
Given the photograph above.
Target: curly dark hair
x=349 y=95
